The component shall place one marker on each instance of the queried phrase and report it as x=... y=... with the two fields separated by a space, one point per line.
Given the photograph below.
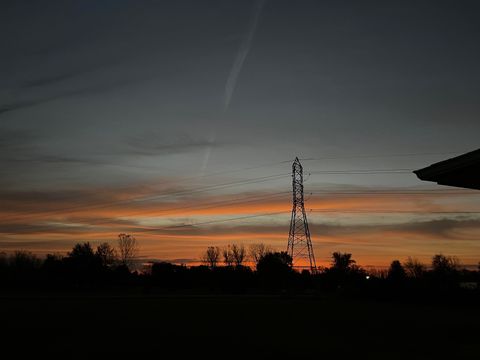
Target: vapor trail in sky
x=235 y=71
x=242 y=54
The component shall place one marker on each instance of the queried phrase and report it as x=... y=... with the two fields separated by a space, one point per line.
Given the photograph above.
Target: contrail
x=242 y=54
x=235 y=71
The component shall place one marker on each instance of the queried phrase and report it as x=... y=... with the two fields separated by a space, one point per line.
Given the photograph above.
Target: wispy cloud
x=153 y=143
x=162 y=223
x=60 y=94
x=371 y=244
x=234 y=73
x=242 y=53
x=15 y=139
x=168 y=198
x=56 y=78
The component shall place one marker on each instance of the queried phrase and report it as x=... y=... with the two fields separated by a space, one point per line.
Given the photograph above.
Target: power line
x=362 y=172
x=227 y=220
x=35 y=214
x=223 y=172
x=374 y=156
x=155 y=197
x=220 y=203
x=313 y=210
x=200 y=207
x=183 y=180
x=192 y=225
x=210 y=205
x=390 y=211
x=287 y=211
x=267 y=196
x=326 y=192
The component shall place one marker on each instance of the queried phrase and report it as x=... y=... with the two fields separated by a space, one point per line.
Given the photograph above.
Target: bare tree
x=445 y=264
x=258 y=251
x=106 y=253
x=414 y=268
x=239 y=254
x=211 y=256
x=128 y=248
x=24 y=261
x=228 y=258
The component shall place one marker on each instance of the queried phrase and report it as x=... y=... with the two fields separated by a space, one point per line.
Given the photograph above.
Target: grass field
x=237 y=327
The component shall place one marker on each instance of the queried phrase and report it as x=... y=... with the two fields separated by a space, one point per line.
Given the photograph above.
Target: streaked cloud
x=167 y=227
x=242 y=53
x=154 y=143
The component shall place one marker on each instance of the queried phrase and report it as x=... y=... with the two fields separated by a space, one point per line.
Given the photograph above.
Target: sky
x=177 y=122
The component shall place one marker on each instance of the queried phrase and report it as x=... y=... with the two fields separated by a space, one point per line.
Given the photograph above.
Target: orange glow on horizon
x=370 y=244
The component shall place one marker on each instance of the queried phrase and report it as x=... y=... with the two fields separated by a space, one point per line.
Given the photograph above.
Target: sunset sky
x=178 y=121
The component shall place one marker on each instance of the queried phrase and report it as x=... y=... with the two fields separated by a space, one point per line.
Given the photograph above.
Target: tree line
x=83 y=265
x=225 y=270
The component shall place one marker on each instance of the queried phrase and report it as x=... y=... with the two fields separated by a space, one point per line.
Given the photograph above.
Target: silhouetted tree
x=24 y=261
x=167 y=274
x=227 y=254
x=82 y=251
x=275 y=263
x=342 y=262
x=396 y=273
x=82 y=261
x=3 y=260
x=414 y=268
x=378 y=273
x=445 y=270
x=53 y=262
x=257 y=251
x=128 y=249
x=22 y=267
x=211 y=256
x=343 y=272
x=444 y=264
x=239 y=254
x=55 y=270
x=106 y=253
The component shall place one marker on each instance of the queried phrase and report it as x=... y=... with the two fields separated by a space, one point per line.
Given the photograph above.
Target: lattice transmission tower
x=299 y=242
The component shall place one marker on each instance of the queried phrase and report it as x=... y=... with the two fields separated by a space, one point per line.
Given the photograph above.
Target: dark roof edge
x=448 y=165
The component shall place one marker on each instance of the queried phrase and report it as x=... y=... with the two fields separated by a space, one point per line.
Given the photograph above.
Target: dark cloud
x=129 y=198
x=15 y=139
x=88 y=90
x=445 y=228
x=49 y=80
x=71 y=226
x=21 y=199
x=36 y=244
x=31 y=228
x=20 y=105
x=69 y=75
x=34 y=157
x=158 y=144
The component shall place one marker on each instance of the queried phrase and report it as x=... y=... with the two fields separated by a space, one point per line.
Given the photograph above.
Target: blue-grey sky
x=143 y=94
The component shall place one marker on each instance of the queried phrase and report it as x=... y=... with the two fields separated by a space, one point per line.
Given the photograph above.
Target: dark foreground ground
x=83 y=326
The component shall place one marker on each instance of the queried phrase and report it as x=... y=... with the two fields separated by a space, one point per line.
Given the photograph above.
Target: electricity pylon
x=299 y=242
